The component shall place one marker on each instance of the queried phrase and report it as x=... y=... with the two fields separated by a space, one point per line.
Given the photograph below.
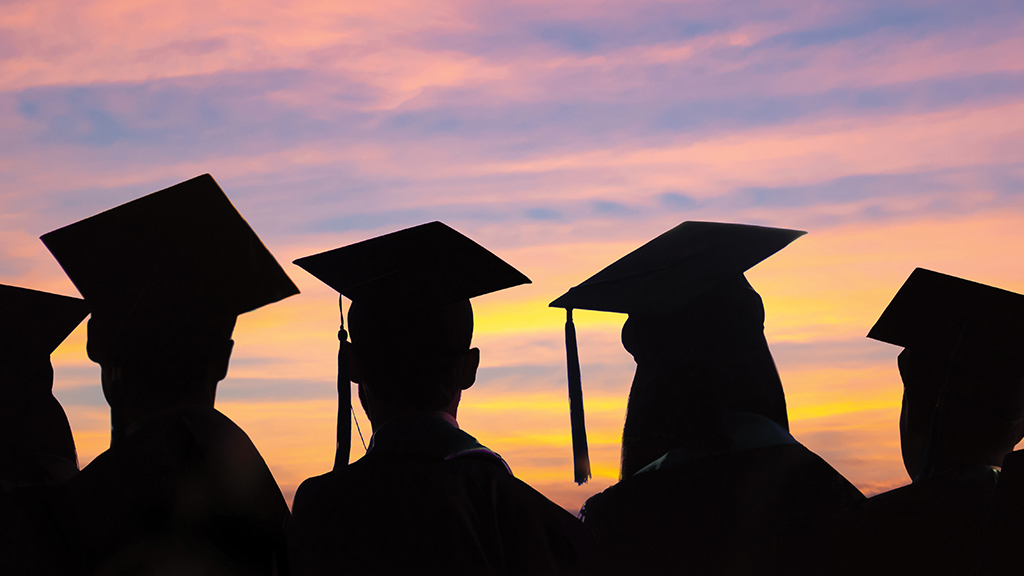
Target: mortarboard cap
x=34 y=320
x=661 y=278
x=179 y=249
x=934 y=311
x=426 y=265
x=665 y=274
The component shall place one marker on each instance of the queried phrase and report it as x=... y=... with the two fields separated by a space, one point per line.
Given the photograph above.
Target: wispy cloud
x=560 y=135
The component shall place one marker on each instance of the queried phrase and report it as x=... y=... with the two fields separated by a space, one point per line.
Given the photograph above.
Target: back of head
x=163 y=356
x=166 y=275
x=709 y=358
x=407 y=354
x=684 y=291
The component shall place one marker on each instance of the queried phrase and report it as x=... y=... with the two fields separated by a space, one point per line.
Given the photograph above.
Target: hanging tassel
x=345 y=413
x=580 y=453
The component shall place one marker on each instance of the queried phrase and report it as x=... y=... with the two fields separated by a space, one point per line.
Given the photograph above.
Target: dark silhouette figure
x=36 y=445
x=427 y=498
x=963 y=412
x=182 y=489
x=712 y=481
x=37 y=450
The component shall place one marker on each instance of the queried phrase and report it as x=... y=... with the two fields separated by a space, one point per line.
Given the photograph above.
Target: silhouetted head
x=967 y=409
x=159 y=360
x=411 y=321
x=962 y=368
x=412 y=359
x=691 y=366
x=693 y=319
x=166 y=275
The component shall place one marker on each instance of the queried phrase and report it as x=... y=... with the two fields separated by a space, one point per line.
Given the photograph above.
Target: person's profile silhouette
x=962 y=368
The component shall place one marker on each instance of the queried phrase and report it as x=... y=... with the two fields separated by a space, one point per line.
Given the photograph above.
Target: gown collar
x=741 y=430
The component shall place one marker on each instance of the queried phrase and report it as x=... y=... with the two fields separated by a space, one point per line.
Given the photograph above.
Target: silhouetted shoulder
x=188 y=484
x=404 y=513
x=937 y=525
x=34 y=538
x=758 y=511
x=463 y=516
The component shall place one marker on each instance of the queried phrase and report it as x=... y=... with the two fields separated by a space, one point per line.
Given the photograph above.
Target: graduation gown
x=33 y=532
x=33 y=512
x=186 y=492
x=1000 y=551
x=937 y=525
x=760 y=506
x=427 y=498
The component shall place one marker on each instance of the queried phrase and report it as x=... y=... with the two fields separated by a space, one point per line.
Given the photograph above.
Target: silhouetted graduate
x=426 y=498
x=963 y=411
x=711 y=481
x=37 y=450
x=36 y=445
x=182 y=489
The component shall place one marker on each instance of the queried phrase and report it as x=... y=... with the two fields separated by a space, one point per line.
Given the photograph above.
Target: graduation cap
x=37 y=321
x=662 y=277
x=935 y=312
x=423 y=266
x=429 y=264
x=180 y=252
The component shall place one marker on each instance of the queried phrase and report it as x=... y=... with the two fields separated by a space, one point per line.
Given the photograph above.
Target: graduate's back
x=426 y=497
x=426 y=510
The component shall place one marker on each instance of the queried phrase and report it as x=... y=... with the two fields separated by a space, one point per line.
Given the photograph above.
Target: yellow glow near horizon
x=812 y=292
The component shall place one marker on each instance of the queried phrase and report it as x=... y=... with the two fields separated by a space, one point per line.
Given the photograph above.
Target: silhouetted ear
x=466 y=369
x=110 y=380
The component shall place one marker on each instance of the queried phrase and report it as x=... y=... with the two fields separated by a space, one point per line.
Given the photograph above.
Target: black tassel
x=343 y=446
x=580 y=453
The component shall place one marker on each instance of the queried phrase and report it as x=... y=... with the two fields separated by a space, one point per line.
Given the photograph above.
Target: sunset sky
x=560 y=135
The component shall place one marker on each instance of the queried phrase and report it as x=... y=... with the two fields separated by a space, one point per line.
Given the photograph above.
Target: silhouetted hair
x=407 y=354
x=693 y=365
x=977 y=391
